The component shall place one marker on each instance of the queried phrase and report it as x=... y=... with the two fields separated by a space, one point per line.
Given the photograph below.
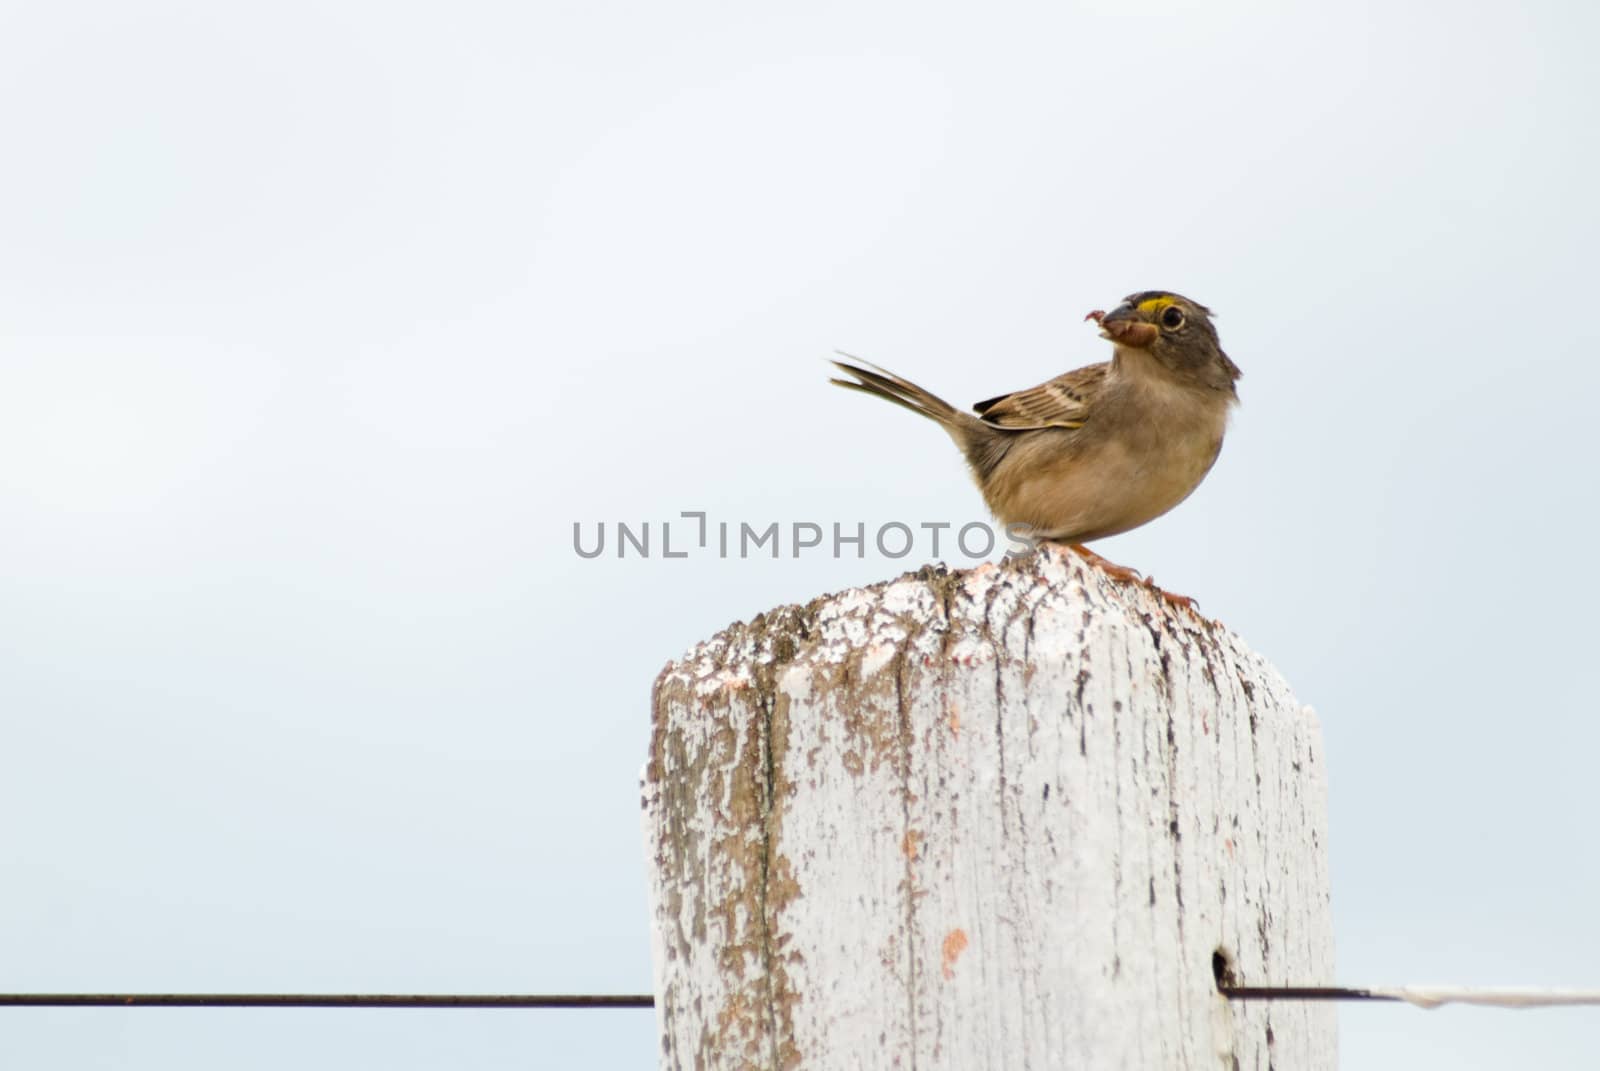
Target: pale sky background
x=322 y=323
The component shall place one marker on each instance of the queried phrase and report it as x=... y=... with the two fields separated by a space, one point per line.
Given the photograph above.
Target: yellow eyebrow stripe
x=1156 y=304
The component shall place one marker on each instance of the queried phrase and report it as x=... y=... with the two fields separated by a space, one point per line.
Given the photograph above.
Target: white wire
x=1427 y=996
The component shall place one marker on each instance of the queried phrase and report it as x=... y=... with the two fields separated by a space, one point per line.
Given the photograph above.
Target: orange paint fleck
x=1228 y=844
x=955 y=942
x=909 y=843
x=955 y=720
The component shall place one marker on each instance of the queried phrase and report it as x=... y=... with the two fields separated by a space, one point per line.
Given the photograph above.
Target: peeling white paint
x=1010 y=838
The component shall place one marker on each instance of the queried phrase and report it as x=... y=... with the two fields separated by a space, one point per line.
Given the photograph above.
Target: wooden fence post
x=1014 y=817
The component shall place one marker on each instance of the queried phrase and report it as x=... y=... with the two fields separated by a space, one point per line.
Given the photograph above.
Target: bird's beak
x=1124 y=326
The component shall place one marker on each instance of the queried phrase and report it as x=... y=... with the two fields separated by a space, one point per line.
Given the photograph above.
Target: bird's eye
x=1172 y=317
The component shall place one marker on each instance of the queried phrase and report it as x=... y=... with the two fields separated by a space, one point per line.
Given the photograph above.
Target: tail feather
x=983 y=446
x=884 y=384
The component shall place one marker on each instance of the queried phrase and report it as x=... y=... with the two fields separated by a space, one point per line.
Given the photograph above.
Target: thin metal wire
x=1299 y=992
x=320 y=1000
x=1422 y=997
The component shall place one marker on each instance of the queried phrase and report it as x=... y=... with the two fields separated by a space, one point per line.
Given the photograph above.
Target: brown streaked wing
x=1063 y=402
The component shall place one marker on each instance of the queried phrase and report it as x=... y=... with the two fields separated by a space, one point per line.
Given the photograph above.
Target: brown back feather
x=1063 y=402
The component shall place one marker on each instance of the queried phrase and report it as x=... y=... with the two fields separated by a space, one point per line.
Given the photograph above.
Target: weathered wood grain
x=998 y=818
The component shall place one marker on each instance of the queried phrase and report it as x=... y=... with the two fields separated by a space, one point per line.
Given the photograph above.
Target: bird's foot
x=1110 y=568
x=1173 y=599
x=1133 y=576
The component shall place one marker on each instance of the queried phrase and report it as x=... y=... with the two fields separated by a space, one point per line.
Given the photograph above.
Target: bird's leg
x=1133 y=576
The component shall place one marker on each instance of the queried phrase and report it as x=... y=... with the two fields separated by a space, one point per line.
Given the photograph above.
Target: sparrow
x=1102 y=449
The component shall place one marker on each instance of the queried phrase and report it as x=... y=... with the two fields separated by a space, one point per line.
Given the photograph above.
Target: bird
x=1102 y=449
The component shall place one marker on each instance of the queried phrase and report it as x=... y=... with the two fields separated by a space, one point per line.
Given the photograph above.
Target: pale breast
x=1147 y=448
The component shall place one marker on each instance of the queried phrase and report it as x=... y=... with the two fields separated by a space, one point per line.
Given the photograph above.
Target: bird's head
x=1175 y=331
